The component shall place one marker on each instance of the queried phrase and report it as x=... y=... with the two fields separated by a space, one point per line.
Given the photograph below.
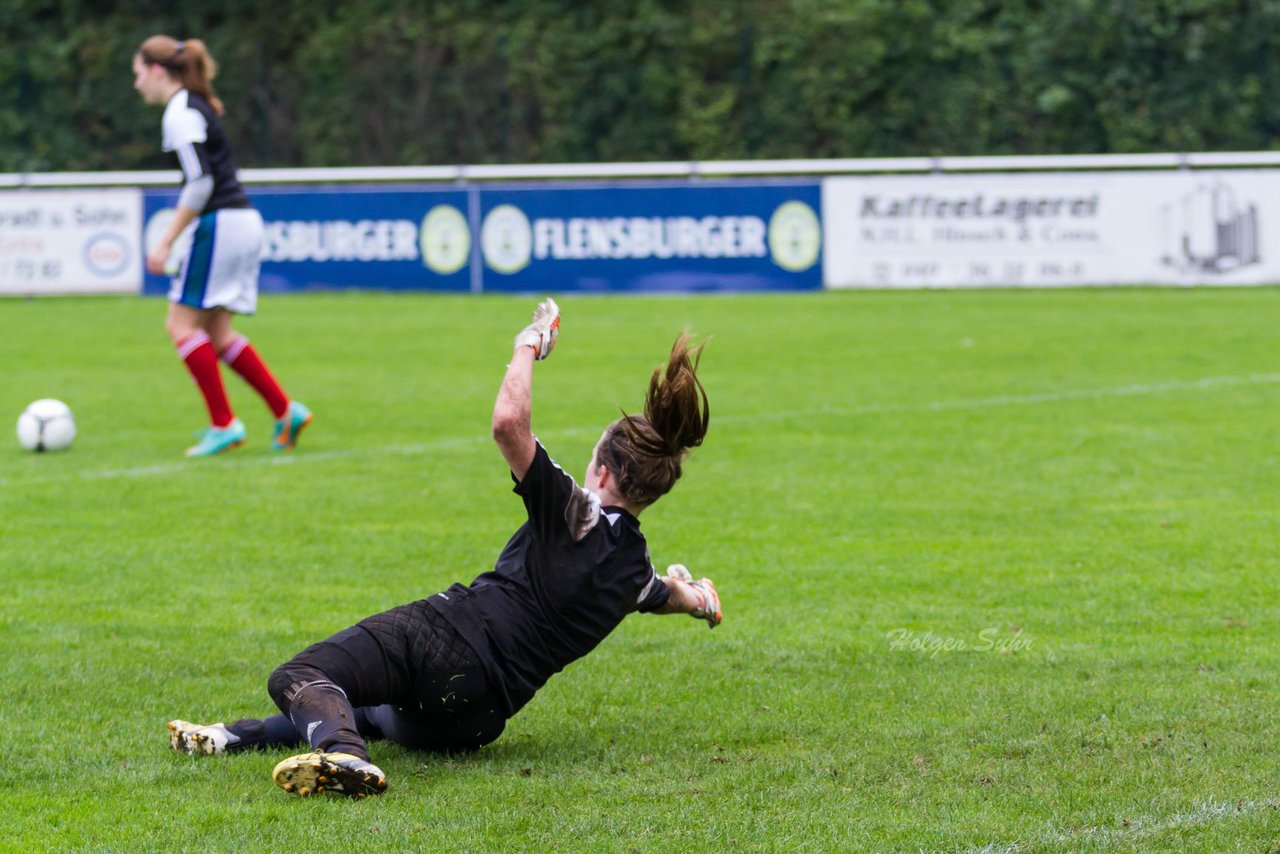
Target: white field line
x=1201 y=813
x=192 y=466
x=1132 y=390
x=417 y=448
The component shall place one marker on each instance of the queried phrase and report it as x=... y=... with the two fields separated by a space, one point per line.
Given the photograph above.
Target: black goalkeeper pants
x=415 y=681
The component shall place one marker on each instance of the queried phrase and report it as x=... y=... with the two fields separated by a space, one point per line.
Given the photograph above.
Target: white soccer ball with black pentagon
x=46 y=425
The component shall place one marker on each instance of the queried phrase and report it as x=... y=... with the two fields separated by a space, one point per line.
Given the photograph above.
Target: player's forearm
x=514 y=405
x=512 y=413
x=182 y=217
x=512 y=419
x=681 y=598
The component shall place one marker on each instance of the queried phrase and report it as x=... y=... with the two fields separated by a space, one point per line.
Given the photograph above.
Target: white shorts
x=220 y=268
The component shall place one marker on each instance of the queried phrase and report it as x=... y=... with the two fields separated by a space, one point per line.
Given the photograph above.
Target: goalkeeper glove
x=709 y=608
x=541 y=335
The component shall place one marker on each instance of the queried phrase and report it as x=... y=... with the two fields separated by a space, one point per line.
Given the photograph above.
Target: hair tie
x=179 y=46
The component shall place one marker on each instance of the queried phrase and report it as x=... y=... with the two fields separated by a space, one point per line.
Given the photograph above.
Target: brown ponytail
x=188 y=62
x=646 y=452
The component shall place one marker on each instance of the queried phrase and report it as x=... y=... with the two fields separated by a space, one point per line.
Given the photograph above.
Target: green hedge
x=322 y=83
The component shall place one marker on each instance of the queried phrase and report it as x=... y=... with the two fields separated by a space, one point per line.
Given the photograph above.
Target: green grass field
x=1077 y=487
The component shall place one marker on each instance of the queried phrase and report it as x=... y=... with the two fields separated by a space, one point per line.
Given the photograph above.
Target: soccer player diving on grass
x=446 y=673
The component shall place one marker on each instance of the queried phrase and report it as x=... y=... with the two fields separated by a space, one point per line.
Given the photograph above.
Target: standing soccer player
x=447 y=672
x=217 y=276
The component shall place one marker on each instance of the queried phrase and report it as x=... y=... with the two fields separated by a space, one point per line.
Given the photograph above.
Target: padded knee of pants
x=288 y=676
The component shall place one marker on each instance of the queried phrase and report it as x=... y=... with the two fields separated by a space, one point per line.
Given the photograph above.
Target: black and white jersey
x=194 y=133
x=564 y=581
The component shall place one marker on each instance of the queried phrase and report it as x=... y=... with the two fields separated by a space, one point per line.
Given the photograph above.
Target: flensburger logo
x=795 y=236
x=341 y=240
x=442 y=240
x=505 y=239
x=446 y=240
x=510 y=241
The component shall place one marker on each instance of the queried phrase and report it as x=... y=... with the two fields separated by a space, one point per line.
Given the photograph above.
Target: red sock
x=245 y=361
x=202 y=362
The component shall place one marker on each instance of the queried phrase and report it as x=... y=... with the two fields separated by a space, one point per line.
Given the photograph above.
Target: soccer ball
x=46 y=425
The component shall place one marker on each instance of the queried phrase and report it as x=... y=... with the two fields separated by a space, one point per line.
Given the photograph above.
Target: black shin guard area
x=254 y=734
x=322 y=714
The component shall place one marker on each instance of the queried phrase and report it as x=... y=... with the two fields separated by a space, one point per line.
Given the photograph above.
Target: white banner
x=1052 y=229
x=70 y=241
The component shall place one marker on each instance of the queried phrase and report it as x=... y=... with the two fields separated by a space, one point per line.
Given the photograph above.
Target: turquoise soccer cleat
x=216 y=440
x=289 y=428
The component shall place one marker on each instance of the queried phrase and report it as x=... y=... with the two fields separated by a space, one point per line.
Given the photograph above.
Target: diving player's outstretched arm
x=512 y=411
x=698 y=599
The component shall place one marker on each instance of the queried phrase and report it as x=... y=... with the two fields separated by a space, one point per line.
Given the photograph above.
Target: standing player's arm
x=197 y=189
x=512 y=411
x=158 y=257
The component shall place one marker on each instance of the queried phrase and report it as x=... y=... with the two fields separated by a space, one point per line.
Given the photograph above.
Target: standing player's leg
x=185 y=326
x=235 y=273
x=243 y=358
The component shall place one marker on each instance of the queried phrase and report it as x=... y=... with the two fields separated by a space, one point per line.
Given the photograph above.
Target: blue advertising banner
x=665 y=237
x=402 y=238
x=713 y=236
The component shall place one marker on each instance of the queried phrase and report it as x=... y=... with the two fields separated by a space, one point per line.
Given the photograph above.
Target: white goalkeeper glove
x=541 y=335
x=709 y=609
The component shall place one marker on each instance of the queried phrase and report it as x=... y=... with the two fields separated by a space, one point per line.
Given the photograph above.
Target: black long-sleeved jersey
x=564 y=581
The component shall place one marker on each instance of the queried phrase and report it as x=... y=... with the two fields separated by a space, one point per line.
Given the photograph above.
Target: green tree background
x=324 y=83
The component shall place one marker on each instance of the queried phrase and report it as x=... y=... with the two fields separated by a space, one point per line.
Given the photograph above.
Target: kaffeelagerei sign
x=1052 y=229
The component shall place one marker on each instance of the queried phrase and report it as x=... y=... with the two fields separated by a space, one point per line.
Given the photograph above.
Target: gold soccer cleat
x=337 y=773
